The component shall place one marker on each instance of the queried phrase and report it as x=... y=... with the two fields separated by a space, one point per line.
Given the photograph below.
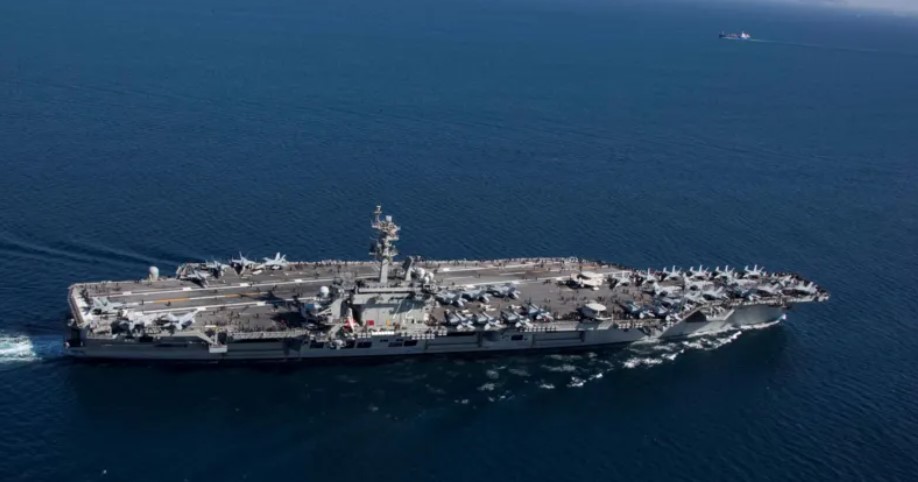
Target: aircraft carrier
x=278 y=310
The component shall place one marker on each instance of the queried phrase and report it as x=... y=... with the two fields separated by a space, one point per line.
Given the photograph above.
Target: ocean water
x=139 y=133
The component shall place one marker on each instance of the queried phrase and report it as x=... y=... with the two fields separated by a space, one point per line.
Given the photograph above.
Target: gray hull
x=580 y=336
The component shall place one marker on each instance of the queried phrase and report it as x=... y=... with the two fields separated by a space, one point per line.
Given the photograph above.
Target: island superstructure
x=278 y=310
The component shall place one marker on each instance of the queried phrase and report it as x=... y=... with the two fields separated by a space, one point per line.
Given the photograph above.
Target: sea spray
x=22 y=348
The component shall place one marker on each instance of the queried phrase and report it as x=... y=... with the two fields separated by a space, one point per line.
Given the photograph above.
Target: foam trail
x=16 y=348
x=667 y=351
x=762 y=326
x=635 y=362
x=830 y=47
x=22 y=348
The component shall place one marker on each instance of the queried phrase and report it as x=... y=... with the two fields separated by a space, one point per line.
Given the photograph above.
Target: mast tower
x=383 y=249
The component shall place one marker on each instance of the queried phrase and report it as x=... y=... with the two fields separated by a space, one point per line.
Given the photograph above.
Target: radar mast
x=383 y=250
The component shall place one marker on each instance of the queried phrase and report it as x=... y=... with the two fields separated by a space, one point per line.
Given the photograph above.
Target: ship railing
x=398 y=334
x=75 y=309
x=259 y=335
x=539 y=329
x=630 y=324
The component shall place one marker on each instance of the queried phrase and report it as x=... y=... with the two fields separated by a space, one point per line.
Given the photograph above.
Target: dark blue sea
x=138 y=133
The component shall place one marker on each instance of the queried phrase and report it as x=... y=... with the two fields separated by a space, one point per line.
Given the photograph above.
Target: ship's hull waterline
x=381 y=347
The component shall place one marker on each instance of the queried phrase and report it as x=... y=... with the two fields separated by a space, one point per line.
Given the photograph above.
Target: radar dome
x=154 y=273
x=324 y=292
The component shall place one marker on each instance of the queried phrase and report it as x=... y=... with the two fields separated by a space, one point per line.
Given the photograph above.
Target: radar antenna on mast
x=384 y=250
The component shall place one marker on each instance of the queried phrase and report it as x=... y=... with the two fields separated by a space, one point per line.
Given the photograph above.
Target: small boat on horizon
x=735 y=36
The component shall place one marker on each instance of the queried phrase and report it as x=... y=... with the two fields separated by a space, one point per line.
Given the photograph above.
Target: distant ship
x=735 y=36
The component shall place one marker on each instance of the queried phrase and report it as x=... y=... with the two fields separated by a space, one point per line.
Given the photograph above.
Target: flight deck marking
x=483 y=269
x=207 y=307
x=217 y=288
x=258 y=303
x=491 y=270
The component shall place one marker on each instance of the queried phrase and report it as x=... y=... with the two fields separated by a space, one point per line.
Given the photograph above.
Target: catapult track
x=333 y=310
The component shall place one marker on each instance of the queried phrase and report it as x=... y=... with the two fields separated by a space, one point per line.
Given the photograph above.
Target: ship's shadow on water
x=415 y=388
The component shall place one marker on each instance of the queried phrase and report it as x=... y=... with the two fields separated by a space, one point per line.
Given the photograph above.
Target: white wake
x=643 y=355
x=22 y=348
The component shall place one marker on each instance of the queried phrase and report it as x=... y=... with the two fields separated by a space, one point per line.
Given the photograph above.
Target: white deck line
x=444 y=275
x=218 y=287
x=263 y=303
x=195 y=298
x=447 y=269
x=207 y=307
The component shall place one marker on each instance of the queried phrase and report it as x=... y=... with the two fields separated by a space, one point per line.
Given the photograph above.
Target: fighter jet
x=481 y=318
x=691 y=285
x=504 y=291
x=806 y=289
x=277 y=262
x=694 y=298
x=700 y=273
x=510 y=317
x=786 y=280
x=178 y=322
x=727 y=274
x=755 y=272
x=197 y=276
x=536 y=313
x=672 y=273
x=486 y=320
x=748 y=294
x=635 y=310
x=242 y=263
x=622 y=278
x=216 y=268
x=646 y=276
x=475 y=294
x=713 y=293
x=659 y=290
x=467 y=324
x=133 y=322
x=670 y=302
x=586 y=279
x=447 y=298
x=457 y=319
x=659 y=311
x=769 y=289
x=104 y=306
